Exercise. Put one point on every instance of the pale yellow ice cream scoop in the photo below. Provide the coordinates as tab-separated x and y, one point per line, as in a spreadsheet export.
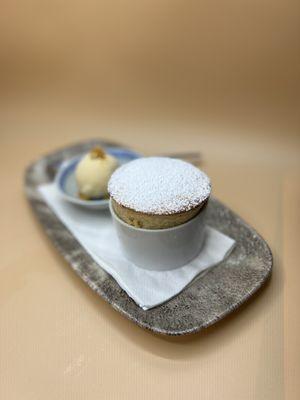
93	173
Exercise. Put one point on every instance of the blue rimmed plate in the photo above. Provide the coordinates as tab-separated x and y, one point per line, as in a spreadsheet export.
66	182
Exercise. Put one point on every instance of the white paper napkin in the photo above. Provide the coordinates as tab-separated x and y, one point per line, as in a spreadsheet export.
95	231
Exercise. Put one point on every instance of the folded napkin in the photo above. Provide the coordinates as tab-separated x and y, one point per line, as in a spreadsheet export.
95	231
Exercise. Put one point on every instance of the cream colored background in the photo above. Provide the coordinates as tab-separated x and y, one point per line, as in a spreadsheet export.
212	76
234	59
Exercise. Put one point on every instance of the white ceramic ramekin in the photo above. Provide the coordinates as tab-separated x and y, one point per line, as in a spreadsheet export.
161	249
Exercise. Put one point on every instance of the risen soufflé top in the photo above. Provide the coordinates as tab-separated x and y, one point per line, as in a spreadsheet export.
159	185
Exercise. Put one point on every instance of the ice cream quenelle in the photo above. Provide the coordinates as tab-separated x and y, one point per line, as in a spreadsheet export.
93	173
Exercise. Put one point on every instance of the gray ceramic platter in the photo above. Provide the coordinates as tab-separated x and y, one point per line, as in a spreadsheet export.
207	300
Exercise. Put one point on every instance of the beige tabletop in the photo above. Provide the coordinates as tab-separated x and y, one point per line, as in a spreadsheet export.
216	77
59	340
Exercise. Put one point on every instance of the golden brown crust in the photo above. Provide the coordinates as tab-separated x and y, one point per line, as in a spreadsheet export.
154	221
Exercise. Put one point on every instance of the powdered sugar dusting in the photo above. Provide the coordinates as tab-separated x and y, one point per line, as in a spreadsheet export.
159	185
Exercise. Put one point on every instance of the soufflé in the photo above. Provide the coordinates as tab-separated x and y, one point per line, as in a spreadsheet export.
158	192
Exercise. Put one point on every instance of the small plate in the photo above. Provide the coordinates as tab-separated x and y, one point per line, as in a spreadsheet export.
66	182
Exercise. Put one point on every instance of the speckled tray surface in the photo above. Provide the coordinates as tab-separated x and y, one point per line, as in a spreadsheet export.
207	300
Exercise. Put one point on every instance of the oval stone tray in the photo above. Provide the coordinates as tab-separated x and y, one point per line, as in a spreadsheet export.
205	301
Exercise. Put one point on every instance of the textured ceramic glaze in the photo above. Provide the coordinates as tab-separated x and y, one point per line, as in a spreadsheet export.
204	302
